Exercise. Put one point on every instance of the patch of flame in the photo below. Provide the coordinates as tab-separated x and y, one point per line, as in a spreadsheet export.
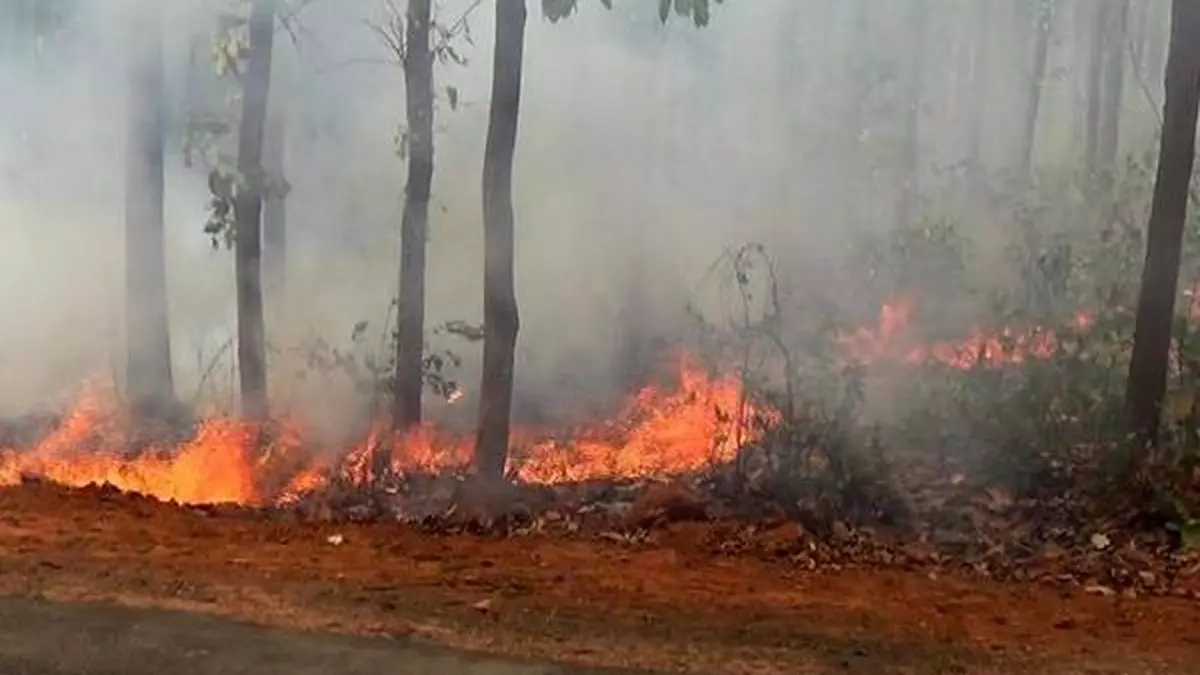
659	432
890	339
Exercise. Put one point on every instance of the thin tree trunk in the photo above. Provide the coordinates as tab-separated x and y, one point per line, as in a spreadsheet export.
957	94
980	64
1095	79
859	85
1147	381
1080	53
910	189
501	320
1114	92
414	228
274	224
1139	37
151	391
1045	28
24	31
256	82
1156	50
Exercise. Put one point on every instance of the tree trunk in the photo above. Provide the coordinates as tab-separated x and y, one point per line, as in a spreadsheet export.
910	152
23	29
1114	92
980	65
1037	77
1139	37
151	392
1095	81
501	320
414	227
274	225
256	82
1147	381
1156	49
856	114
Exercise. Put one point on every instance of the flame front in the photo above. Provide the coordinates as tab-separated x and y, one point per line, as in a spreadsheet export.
213	466
659	432
890	340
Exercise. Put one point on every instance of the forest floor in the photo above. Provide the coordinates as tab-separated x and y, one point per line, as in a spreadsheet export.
671	605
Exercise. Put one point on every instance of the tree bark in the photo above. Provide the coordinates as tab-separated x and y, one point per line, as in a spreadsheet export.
501	320
1147	381
1037	77
256	82
910	152
1114	92
274	225
980	80
23	28
1095	80
1139	37
1156	49
151	391
414	227
859	91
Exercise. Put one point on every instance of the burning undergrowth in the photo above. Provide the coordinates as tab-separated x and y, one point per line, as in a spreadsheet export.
659	433
812	481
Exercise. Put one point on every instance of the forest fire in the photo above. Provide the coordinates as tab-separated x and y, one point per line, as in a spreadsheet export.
890	339
659	432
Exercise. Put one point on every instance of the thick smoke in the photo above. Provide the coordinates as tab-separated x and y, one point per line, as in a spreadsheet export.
645	151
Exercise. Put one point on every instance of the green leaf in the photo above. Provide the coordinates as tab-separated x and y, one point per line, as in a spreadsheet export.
1190	535
557	10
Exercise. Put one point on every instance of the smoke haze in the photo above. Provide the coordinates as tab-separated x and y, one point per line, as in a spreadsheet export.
644	152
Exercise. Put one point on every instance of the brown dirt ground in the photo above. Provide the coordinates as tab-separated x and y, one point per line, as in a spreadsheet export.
672	607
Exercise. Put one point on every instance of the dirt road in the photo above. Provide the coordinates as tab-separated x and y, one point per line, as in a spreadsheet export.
40	638
674	606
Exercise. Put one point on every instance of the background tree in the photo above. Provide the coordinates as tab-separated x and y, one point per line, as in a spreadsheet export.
500	313
1146	385
274	225
1116	55
500	309
248	203
1044	27
418	61
148	361
1101	11
980	65
699	11
910	148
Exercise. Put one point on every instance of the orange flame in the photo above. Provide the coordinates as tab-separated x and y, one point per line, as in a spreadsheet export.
659	432
890	340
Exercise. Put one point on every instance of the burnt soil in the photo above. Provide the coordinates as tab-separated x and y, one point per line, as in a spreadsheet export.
669	604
